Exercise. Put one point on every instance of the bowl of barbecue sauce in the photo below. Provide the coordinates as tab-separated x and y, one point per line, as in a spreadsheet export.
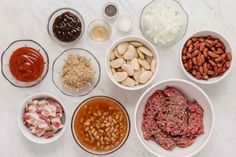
66	26
24	63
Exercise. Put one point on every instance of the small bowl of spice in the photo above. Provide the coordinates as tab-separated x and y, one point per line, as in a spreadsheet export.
110	10
24	63
100	125
66	26
76	72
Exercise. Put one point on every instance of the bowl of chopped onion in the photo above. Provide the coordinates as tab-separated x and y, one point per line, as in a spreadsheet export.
163	22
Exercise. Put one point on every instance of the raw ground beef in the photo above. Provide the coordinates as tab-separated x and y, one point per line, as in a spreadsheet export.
170	119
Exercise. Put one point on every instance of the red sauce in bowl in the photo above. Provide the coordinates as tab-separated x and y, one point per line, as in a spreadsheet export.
26	64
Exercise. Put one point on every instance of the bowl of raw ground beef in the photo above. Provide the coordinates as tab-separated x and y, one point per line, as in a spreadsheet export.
174	118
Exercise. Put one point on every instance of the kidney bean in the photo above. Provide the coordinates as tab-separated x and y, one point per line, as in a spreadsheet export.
209	41
184	51
212	62
205	77
194	72
210	72
202	47
196	44
201	70
217	60
186	65
219	45
195	53
227	64
194	60
205	52
201	39
190	48
189	55
190	64
213	49
189	42
229	56
205	67
213	55
199	61
184	57
223	56
194	39
219	51
219	65
202	58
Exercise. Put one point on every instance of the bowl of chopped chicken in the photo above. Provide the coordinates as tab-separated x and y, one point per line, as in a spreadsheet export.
76	72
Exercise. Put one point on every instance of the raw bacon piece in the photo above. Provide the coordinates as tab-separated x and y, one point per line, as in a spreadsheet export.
48	134
39	131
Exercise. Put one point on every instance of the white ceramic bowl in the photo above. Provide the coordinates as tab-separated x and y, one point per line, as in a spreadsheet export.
228	49
192	92
148	45
26	132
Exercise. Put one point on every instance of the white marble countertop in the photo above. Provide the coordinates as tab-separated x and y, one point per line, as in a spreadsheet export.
27	19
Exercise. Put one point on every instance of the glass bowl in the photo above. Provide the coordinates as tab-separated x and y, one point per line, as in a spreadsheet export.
6	57
58	66
182	31
99	22
57	13
101	99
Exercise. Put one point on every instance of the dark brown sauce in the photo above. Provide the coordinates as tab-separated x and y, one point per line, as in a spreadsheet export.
67	27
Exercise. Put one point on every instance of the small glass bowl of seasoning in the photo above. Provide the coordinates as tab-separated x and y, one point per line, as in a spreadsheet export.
124	24
99	30
24	63
66	26
110	10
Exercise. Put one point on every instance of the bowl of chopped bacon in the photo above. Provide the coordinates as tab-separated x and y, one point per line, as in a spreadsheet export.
42	118
174	118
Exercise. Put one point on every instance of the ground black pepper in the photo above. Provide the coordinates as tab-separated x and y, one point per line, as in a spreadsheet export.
110	10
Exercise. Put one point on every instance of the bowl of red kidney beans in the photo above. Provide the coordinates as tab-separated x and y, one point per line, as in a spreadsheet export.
174	118
206	57
42	118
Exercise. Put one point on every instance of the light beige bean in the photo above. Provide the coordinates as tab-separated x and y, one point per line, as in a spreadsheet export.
107	139
86	123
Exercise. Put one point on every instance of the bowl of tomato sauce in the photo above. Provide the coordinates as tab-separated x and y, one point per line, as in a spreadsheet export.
24	63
